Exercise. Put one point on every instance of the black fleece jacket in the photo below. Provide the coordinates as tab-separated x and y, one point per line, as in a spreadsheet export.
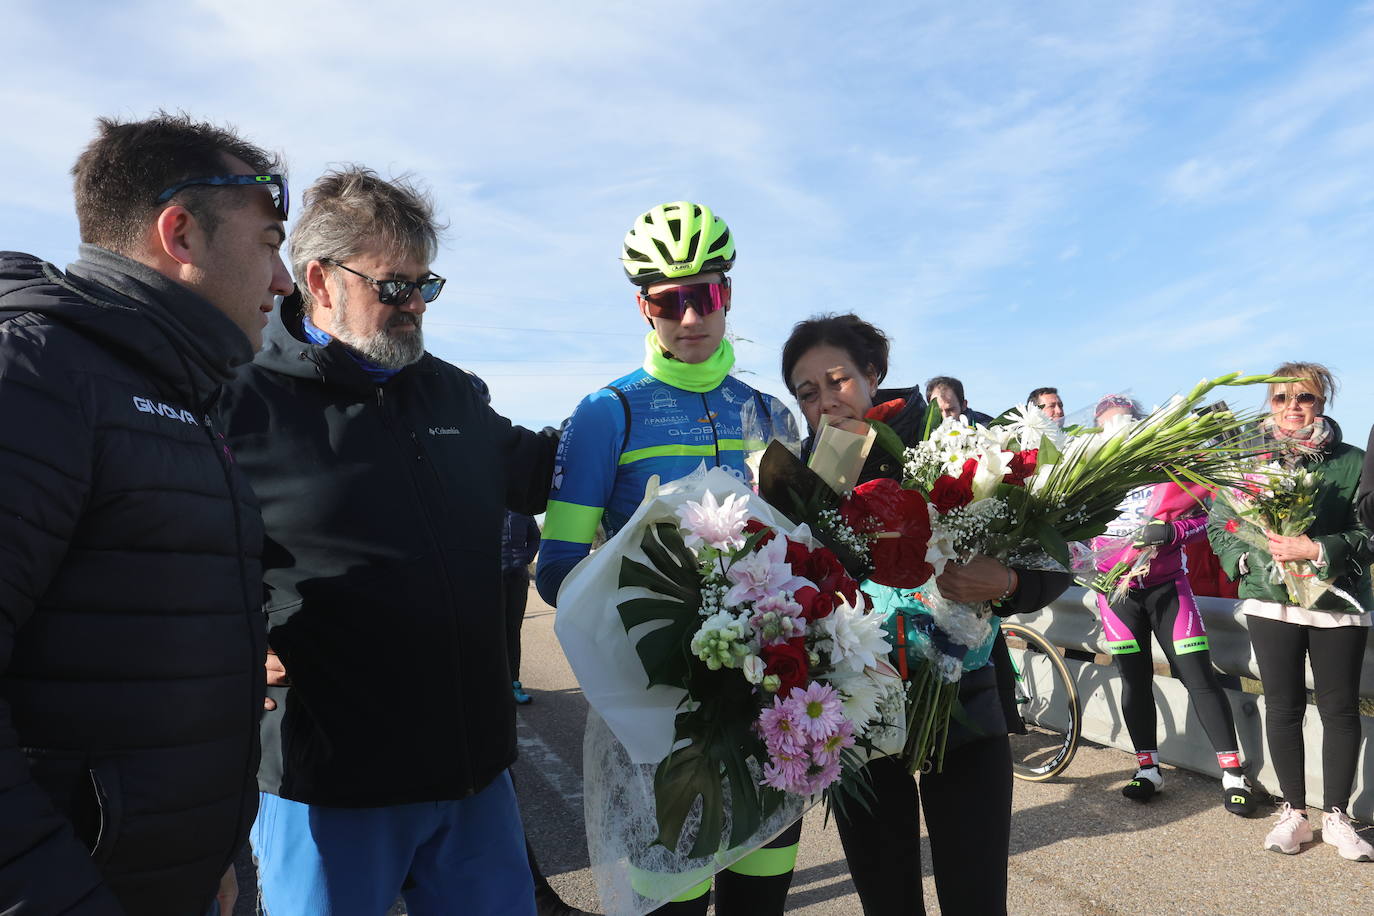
384	506
131	628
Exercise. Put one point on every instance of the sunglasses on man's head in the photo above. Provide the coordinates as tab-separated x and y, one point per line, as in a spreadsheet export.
275	185
397	292
1305	398
673	303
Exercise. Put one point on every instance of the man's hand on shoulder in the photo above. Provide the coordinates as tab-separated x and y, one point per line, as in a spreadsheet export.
276	677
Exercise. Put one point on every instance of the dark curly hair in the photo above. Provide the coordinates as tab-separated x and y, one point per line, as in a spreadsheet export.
866	345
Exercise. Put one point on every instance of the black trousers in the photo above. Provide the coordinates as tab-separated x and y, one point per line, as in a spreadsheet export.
968	819
515	587
1337	654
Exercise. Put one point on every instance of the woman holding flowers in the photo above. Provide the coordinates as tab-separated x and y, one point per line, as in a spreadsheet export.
833	365
1154	598
1306	595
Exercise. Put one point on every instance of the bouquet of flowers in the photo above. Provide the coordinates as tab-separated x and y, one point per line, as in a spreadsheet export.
1282	500
777	669
1020	491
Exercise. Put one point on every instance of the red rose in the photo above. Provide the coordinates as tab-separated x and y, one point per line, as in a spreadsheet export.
816	605
1232	525
753	526
950	493
886	410
900	523
821	567
788	662
1022	467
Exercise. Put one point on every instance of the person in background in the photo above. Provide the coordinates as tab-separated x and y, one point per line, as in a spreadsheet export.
1331	634
1160	603
519	547
131	629
833	364
384	479
948	394
1049	402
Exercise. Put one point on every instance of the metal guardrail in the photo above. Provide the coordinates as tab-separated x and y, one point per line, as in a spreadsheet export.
1071	622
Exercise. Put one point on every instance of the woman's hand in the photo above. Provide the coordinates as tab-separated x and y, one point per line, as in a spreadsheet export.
1285	549
980	579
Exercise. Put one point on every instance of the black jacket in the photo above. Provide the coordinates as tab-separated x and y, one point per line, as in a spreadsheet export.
987	696
384	506
131	629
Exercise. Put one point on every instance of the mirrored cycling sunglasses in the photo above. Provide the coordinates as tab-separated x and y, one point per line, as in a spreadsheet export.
275	184
1304	398
673	303
397	292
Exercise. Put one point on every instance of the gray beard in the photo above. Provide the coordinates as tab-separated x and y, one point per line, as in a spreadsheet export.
386	348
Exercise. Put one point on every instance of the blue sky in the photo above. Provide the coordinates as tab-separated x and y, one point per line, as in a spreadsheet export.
1095	196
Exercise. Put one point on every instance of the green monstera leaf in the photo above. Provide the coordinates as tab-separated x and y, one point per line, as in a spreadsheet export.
673	577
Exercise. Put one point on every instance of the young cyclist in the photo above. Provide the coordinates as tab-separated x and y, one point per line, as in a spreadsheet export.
1160	603
679	409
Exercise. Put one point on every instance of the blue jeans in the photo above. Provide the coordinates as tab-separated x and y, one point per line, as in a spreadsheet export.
443	857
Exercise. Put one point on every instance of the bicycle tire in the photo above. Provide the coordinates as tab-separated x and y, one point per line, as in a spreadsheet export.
1039	766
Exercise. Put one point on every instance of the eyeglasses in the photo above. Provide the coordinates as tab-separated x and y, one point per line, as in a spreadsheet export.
673	303
397	292
275	184
1305	398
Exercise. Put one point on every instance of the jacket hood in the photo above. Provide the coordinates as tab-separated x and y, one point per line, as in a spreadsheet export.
287	350
150	320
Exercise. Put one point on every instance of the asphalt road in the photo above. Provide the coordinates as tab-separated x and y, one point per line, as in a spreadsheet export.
1078	848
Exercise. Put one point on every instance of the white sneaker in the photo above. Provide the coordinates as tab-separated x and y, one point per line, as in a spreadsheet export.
1290	832
1339	832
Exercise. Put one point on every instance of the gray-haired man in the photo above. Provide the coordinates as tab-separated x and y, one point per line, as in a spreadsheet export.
384	481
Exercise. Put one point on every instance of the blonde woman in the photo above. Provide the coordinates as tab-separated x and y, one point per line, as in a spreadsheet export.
1331	633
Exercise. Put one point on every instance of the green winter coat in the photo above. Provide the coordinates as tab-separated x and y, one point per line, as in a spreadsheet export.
1344	540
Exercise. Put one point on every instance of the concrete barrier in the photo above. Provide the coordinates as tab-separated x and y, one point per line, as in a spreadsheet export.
1072	623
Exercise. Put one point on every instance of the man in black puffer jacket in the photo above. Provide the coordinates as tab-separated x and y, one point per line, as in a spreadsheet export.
131	630
384	479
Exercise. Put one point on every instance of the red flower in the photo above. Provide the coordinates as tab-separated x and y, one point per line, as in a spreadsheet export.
754	526
901	523
1232	525
886	410
816	605
788	662
821	567
954	492
1022	467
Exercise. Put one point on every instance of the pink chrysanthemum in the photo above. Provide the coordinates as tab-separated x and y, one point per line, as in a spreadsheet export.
827	750
817	710
787	773
781	729
818	780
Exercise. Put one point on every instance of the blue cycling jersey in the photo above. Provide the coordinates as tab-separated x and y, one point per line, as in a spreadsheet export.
604	462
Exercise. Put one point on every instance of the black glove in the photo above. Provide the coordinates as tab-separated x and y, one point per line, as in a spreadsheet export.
1155	534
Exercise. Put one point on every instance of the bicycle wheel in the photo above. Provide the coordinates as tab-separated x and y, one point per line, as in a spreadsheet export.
1048	702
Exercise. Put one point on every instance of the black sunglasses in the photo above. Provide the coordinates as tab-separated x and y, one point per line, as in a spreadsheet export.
397	292
275	184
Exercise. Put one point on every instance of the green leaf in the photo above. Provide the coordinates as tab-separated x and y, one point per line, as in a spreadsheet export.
1049	452
888	440
1053	542
661	650
634	574
745	811
685	775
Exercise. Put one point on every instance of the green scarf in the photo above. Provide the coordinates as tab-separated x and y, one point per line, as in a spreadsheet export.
697	377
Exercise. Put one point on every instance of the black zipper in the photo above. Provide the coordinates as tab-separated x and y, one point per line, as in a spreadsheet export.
715	433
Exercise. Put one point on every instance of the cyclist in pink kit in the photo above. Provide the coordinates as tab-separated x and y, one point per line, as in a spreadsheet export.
1160	602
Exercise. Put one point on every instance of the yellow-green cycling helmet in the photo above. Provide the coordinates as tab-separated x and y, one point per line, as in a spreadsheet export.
674	240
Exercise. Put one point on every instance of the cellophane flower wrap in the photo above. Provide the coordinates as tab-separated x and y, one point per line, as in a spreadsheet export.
1281	499
748	677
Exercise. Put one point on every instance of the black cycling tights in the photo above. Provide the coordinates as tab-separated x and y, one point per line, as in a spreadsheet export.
1336	654
1168	611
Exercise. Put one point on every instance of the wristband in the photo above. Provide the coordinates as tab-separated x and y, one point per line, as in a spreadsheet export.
1011	587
